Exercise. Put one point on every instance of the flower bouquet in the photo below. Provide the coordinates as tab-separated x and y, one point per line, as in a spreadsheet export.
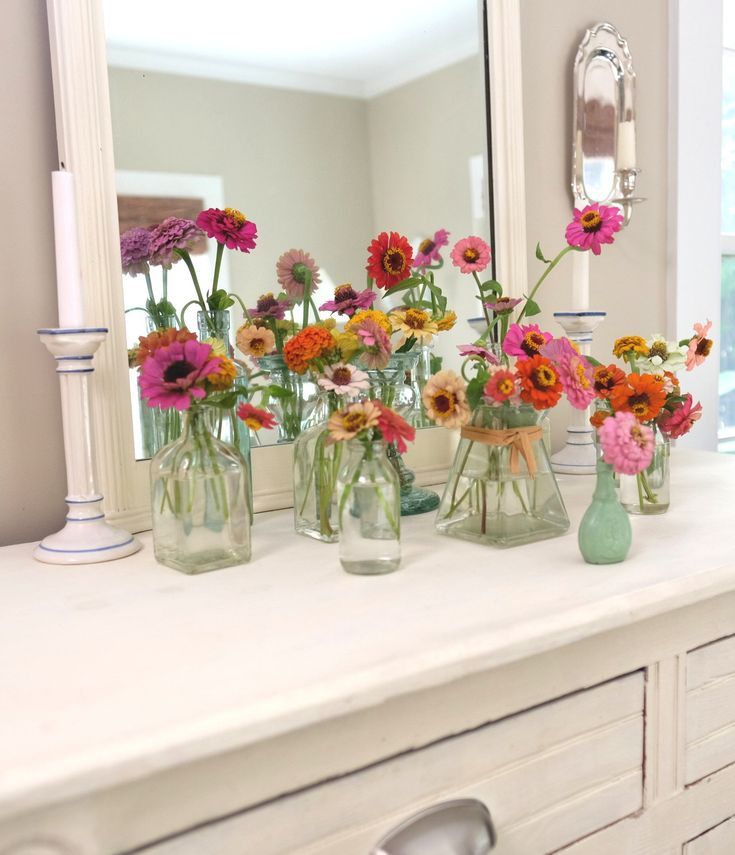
651	391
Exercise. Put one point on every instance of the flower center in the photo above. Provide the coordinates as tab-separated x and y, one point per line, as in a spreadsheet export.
591	221
639	405
444	402
636	434
238	218
177	371
344	293
354	422
505	387
582	378
394	261
416	319
659	348
470	255
299	272
257	346
532	343
543	377
426	246
341	376
704	345
266	302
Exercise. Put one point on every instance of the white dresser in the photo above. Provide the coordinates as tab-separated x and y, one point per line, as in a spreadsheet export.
286	707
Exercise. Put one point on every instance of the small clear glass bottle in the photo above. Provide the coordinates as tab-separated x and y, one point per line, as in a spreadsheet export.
199	498
369	510
648	491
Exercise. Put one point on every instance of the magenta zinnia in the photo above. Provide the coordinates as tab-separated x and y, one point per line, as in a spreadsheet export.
681	419
525	341
347	301
229	227
594	225
171	376
135	251
293	269
428	251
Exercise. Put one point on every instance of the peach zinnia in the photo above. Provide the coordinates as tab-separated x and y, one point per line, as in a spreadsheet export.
353	420
445	399
255	341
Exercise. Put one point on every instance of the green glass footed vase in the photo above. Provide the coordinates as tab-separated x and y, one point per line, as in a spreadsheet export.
605	534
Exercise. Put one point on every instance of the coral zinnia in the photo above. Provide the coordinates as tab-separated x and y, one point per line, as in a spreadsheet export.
293	269
389	259
309	344
428	251
170	234
135	250
255	418
606	378
344	379
445	399
641	394
525	341
681	420
626	445
348	423
502	386
594	225
414	323
229	227
347	301
540	383
149	344
699	347
394	427
255	341
171	376
471	254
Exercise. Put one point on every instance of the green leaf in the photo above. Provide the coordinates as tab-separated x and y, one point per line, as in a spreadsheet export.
474	391
435	363
541	256
532	308
411	282
407	345
594	362
165	307
220	300
492	286
279	392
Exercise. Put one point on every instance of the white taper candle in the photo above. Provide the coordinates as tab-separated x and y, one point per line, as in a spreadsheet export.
581	280
626	154
68	273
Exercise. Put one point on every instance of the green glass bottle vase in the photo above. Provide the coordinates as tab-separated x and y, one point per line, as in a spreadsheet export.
605	534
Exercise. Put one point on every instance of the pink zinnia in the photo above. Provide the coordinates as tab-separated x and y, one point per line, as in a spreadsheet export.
135	250
681	420
477	350
347	301
502	386
594	225
428	251
292	270
578	379
376	342
699	346
170	234
229	227
471	254
525	341
503	305
394	427
169	377
627	445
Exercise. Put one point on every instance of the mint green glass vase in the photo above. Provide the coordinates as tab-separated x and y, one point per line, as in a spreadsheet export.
604	533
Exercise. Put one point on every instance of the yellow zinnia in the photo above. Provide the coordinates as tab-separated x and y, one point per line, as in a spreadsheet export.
380	318
414	322
447	322
630	342
347	343
224	376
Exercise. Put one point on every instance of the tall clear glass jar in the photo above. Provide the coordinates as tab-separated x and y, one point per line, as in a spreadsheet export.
296	412
369	510
199	497
648	491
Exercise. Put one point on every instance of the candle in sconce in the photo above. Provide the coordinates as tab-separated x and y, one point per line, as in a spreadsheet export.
581	281
626	154
68	272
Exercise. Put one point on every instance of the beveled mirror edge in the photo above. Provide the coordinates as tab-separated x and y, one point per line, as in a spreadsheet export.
84	138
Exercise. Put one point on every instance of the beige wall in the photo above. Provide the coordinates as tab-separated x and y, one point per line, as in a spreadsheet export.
32	475
629	279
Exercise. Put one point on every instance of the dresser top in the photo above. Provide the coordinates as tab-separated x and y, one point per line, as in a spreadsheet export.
113	668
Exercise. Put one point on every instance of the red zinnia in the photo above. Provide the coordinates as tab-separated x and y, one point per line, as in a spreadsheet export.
389	260
540	383
394	428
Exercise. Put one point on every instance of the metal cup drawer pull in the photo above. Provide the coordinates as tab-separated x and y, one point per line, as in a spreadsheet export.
459	827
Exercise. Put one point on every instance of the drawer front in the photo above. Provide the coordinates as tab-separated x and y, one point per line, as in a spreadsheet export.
549	776
719	840
710	709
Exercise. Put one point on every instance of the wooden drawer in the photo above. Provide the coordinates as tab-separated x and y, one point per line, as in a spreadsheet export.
710	708
719	840
549	776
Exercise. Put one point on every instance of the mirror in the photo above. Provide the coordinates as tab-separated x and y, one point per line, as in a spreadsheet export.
324	131
84	133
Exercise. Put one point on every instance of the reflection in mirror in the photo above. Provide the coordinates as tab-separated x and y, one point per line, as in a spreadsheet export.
324	126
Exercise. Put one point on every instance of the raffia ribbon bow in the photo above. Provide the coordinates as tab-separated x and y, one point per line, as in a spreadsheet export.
519	439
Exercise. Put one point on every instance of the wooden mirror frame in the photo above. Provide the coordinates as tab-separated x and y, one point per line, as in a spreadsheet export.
84	134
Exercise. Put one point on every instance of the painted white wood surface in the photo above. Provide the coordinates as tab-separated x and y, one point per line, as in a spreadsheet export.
719	841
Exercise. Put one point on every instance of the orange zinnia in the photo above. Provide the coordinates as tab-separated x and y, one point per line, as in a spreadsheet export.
642	394
305	346
149	344
607	377
540	383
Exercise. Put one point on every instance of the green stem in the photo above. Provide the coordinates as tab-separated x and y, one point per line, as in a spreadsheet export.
551	265
306	298
164	278
200	299
217	265
485	310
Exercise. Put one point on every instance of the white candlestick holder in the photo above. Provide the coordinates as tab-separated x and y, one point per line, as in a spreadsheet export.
86	537
579	455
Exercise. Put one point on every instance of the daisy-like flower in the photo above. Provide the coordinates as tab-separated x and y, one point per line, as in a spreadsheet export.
229	227
255	341
540	382
347	301
353	420
502	386
376	343
269	307
394	428
173	375
641	394
503	305
293	269
135	251
414	323
699	347
306	346
662	356
344	379
445	399
626	445
447	321
378	317
428	251
149	344
630	344
681	419
170	234
255	418
471	254
389	259
525	341
479	351
577	378
606	378
593	226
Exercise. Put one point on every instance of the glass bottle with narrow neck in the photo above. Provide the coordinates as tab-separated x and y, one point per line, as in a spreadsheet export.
605	534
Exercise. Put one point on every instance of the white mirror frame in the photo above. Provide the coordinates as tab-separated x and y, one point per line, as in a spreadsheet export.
84	134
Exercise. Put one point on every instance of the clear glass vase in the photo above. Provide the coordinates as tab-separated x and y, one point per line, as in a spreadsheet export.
369	510
604	534
295	412
501	488
648	491
200	501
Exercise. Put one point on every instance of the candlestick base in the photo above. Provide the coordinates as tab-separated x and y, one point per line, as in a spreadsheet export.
87	537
